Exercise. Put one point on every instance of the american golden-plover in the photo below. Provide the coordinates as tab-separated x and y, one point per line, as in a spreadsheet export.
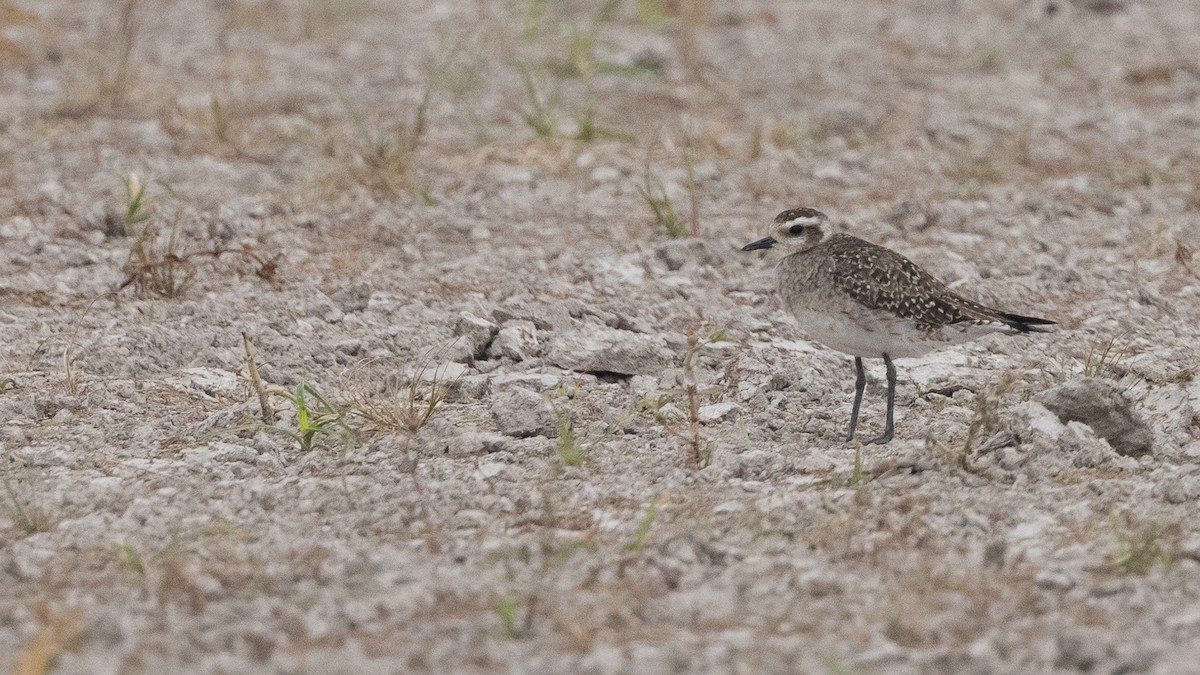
871	302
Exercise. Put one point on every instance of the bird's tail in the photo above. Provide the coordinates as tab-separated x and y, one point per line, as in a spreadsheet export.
1026	324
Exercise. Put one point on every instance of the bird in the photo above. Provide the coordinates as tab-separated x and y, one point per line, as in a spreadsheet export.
869	301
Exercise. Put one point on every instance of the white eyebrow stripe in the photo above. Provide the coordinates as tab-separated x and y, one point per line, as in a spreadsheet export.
803	220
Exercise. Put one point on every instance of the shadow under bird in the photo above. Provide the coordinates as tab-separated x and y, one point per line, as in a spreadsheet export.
871	302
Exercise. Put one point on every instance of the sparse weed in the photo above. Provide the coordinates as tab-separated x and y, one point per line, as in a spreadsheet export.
973	170
130	559
653	404
136	207
383	160
156	267
112	70
1104	358
1183	255
582	40
835	666
507	609
315	416
570	451
266	410
699	452
590	131
855	478
543	113
410	408
459	70
985	418
456	71
581	50
1142	544
70	371
222	120
644	525
690	394
29	518
654	193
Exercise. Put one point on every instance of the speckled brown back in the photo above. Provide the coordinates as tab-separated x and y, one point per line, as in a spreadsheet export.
881	279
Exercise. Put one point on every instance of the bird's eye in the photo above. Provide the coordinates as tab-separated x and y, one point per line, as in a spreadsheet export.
796	229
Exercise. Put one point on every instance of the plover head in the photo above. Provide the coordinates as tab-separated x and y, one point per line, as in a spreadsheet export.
794	231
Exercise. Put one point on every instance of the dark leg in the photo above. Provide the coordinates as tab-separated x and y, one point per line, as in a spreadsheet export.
891	404
860	383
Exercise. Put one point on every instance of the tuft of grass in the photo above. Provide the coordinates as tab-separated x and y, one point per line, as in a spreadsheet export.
383	160
28	517
130	559
570	451
590	131
315	416
408	409
507	608
156	264
137	209
581	44
543	114
157	267
1104	358
985	418
1143	545
644	525
654	193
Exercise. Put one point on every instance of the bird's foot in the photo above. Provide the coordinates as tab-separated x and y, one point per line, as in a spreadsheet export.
886	437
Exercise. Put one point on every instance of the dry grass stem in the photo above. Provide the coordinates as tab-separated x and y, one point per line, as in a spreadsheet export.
266	410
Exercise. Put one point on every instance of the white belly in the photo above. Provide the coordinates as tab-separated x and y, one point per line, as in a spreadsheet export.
896	338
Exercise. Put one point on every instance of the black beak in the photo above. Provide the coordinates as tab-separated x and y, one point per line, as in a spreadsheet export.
765	242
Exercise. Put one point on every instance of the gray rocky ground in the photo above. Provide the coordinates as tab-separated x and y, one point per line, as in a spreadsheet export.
636	462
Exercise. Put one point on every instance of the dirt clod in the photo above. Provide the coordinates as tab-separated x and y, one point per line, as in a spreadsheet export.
521	413
1104	407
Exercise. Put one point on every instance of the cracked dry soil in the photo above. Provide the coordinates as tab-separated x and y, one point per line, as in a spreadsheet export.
637	464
